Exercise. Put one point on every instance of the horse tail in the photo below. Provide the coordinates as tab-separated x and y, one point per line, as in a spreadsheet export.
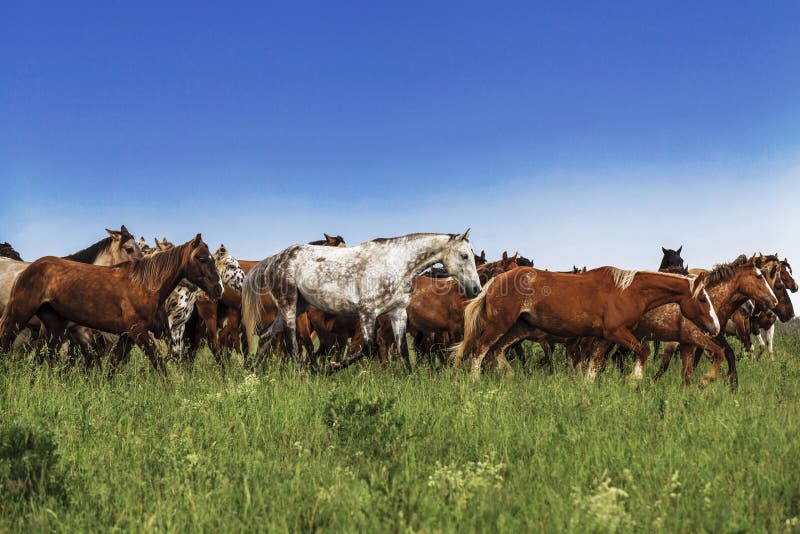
475	323
252	308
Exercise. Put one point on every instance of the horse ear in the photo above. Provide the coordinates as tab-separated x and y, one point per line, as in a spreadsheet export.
123	230
664	250
483	254
116	236
679	249
464	236
327	236
197	240
505	255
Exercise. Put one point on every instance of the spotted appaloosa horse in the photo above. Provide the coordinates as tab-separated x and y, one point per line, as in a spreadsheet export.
367	280
605	303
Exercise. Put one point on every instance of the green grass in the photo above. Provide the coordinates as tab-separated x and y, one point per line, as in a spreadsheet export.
375	449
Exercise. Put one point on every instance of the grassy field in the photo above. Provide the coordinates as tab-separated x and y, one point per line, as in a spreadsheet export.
379	450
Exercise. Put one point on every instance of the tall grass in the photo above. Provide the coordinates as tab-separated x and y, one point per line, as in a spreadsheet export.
374	449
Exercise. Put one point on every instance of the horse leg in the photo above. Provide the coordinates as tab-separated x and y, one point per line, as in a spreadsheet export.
16	316
519	354
304	335
263	345
514	337
493	341
761	344
770	337
625	337
367	320
730	357
399	319
547	359
669	350
687	358
619	357
597	357
56	328
121	352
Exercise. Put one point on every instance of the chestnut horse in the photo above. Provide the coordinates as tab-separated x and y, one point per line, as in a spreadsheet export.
118	247
770	271
728	285
606	303
123	300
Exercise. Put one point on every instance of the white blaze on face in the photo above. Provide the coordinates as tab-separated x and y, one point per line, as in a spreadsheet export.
769	289
711	311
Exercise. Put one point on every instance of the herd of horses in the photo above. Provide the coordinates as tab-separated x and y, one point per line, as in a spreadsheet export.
326	305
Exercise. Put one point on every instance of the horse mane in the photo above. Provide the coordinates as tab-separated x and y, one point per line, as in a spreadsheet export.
407	236
522	261
724	271
7	251
90	253
622	277
151	271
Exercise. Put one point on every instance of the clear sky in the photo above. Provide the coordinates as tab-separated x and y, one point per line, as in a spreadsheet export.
577	133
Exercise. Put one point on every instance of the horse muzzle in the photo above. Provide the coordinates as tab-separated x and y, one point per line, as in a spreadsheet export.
216	291
769	302
473	290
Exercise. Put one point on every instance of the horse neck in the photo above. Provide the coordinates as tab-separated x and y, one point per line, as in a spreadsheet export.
170	279
418	252
106	258
658	289
726	297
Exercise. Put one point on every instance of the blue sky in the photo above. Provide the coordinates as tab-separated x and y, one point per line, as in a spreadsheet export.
576	133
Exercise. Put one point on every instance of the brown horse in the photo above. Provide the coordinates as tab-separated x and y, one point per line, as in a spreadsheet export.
728	285
123	300
606	303
211	314
731	286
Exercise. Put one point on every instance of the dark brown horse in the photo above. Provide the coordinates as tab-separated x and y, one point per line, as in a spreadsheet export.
123	300
605	303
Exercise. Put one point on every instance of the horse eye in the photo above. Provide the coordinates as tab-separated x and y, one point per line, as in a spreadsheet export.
464	257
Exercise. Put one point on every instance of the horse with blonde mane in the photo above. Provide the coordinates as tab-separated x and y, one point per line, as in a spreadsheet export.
606	303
